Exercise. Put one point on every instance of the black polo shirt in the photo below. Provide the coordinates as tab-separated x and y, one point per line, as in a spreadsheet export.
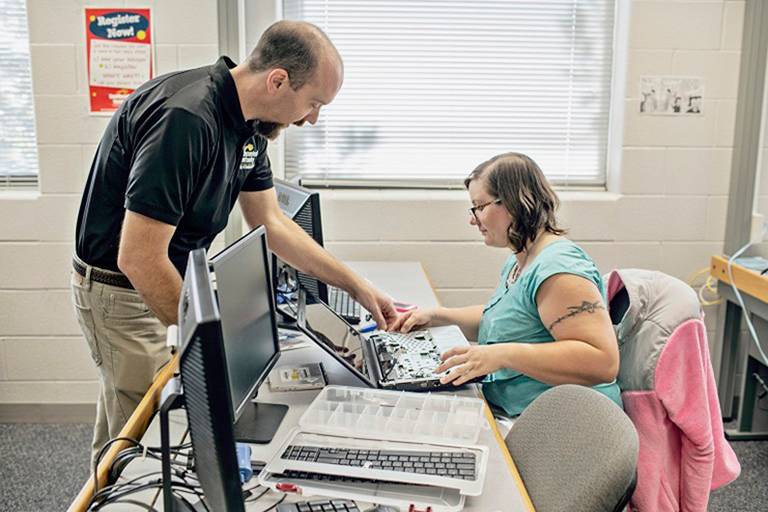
179	151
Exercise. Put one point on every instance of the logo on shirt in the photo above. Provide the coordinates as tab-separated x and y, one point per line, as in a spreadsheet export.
249	157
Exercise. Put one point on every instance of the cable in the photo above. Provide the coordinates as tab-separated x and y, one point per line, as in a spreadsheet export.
120	491
744	310
138	504
257	498
106	491
181	470
693	277
276	504
251	488
101	454
708	285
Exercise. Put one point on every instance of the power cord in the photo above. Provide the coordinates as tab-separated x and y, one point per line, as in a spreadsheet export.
709	285
187	482
137	504
184	482
121	490
101	453
276	504
744	310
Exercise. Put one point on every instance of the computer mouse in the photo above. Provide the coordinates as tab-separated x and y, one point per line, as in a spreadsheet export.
383	508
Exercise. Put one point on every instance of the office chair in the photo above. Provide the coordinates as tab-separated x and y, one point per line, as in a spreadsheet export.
669	392
575	450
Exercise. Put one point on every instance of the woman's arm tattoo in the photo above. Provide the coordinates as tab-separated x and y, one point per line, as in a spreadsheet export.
585	307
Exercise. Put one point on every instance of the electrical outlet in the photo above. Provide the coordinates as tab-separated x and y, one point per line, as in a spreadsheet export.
757	231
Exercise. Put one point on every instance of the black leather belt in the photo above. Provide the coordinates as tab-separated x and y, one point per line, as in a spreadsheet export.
100	276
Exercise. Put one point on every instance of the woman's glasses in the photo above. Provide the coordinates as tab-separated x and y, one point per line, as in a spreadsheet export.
480	207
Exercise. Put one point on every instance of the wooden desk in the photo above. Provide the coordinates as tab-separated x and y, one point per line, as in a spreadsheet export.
409	282
754	291
503	490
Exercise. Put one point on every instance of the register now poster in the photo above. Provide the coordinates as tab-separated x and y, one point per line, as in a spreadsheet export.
119	55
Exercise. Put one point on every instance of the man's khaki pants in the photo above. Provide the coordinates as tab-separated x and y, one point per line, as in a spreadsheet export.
127	343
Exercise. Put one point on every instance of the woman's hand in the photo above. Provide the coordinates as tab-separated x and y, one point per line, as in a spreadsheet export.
414	320
470	362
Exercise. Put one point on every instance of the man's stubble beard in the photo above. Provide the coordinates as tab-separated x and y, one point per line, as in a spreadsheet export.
270	130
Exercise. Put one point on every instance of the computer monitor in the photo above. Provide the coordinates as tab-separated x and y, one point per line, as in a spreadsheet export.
249	327
206	391
303	206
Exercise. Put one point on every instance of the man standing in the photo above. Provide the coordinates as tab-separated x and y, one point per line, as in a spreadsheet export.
171	164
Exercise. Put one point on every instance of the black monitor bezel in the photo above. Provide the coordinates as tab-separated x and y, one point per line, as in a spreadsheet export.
200	327
259	232
311	197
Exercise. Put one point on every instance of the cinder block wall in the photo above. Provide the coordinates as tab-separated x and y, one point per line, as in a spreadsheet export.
43	358
668	214
670	211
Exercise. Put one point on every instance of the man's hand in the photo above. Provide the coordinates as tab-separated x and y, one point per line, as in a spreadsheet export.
379	305
294	246
470	362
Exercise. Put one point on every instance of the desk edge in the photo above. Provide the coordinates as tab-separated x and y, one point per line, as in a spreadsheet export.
135	427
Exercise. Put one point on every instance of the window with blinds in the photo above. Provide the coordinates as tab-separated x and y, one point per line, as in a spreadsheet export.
433	88
18	145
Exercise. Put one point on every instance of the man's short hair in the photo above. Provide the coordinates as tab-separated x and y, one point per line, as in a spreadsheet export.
294	46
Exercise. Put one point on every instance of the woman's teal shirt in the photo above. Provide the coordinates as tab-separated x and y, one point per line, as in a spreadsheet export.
512	316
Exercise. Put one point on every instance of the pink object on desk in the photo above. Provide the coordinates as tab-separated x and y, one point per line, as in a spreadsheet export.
402	307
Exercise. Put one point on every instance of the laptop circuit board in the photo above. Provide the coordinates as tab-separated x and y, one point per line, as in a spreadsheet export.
406	357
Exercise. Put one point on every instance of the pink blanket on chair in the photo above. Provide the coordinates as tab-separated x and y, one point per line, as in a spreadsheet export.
669	392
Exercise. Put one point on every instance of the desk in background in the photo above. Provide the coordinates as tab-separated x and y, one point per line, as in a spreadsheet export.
754	291
503	490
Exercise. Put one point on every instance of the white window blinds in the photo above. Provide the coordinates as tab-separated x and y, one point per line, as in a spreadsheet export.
433	88
18	146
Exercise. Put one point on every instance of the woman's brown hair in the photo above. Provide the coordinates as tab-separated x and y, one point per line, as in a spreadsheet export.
525	193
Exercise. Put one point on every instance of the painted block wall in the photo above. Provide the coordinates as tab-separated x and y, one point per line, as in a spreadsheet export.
668	214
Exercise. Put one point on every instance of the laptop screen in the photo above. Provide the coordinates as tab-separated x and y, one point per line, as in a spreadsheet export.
337	337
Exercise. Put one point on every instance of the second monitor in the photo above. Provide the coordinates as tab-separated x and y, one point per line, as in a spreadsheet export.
303	206
244	289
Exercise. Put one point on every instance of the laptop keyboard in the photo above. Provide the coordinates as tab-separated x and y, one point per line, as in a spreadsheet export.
341	302
419	341
460	465
319	506
404	357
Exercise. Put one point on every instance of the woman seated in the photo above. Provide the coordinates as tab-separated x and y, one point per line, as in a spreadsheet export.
547	322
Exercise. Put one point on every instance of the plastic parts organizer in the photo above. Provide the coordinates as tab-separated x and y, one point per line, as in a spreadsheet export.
395	415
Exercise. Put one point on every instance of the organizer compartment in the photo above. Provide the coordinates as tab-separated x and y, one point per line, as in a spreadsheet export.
377	414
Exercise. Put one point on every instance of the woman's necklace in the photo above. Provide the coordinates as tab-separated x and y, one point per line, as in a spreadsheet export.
514	274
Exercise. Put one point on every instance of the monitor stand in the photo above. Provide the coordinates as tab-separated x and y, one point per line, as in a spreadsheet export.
258	422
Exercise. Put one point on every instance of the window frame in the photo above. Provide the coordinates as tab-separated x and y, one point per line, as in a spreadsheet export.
614	133
27	180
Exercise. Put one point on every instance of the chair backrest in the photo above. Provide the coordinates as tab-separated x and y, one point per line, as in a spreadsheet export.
576	450
646	307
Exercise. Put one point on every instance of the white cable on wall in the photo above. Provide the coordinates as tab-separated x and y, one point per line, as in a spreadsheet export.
750	327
